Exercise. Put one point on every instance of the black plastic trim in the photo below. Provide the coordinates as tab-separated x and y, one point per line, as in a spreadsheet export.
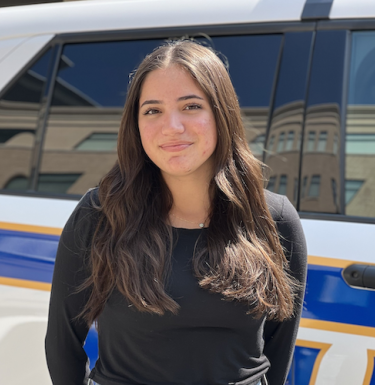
345	88
43	116
335	217
186	31
316	9
352	24
38	194
273	95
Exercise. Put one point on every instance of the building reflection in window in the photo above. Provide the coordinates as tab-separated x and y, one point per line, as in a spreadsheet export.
322	141
311	141
271	184
283	183
289	141
360	128
280	144
19	114
314	186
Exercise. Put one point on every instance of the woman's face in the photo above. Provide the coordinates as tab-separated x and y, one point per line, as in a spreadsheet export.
176	124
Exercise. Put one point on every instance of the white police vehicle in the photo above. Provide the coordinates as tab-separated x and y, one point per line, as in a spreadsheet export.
304	71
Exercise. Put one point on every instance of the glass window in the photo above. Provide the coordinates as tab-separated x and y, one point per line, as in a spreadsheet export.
322	141
311	141
271	143
314	186
99	142
289	109
280	143
304	186
360	128
283	185
289	141
335	144
19	110
351	189
252	61
360	144
271	184
256	146
90	89
87	104
321	157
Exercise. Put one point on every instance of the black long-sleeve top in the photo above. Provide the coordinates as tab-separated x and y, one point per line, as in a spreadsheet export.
209	342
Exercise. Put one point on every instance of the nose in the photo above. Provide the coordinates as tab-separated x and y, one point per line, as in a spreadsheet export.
172	124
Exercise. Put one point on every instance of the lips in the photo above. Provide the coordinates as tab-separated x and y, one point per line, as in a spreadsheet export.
175	146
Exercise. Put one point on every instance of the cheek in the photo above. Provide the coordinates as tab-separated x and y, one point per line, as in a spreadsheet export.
209	132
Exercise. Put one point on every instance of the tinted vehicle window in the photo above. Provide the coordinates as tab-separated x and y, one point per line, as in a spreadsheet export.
283	148
88	99
19	110
252	62
321	173
360	128
90	91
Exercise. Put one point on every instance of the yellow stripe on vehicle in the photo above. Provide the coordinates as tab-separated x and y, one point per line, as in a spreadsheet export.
25	284
30	228
338	327
322	351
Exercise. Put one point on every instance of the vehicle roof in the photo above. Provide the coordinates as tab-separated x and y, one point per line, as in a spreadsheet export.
112	15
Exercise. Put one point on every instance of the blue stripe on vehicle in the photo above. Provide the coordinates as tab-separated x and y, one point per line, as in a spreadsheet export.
316	9
27	256
31	257
329	298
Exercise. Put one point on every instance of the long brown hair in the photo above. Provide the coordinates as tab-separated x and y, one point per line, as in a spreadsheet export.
131	249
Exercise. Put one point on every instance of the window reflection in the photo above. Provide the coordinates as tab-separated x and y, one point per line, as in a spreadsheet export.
283	147
314	186
322	141
321	158
252	66
19	110
360	128
283	185
280	144
82	127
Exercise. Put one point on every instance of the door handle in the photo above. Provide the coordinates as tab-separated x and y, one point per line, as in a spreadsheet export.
360	275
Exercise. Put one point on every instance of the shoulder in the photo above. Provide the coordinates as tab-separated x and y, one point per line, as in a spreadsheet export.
84	218
287	222
280	208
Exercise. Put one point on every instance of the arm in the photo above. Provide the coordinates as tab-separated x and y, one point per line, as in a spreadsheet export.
280	337
66	358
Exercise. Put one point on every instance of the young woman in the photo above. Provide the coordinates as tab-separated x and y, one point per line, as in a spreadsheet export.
193	272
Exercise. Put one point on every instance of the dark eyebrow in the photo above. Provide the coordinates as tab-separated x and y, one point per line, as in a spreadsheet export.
151	102
192	96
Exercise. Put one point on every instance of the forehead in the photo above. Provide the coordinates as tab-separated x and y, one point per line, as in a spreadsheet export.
172	79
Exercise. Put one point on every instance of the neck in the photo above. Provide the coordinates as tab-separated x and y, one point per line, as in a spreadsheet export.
191	201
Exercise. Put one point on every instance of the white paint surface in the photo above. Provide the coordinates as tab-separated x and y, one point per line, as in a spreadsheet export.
84	16
20	56
350	9
7	46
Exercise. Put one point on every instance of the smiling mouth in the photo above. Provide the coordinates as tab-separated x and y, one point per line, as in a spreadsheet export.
175	147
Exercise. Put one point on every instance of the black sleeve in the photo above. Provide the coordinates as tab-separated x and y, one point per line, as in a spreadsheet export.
66	359
280	337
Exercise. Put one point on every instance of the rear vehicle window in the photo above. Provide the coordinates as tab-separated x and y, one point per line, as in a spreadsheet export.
360	128
19	117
